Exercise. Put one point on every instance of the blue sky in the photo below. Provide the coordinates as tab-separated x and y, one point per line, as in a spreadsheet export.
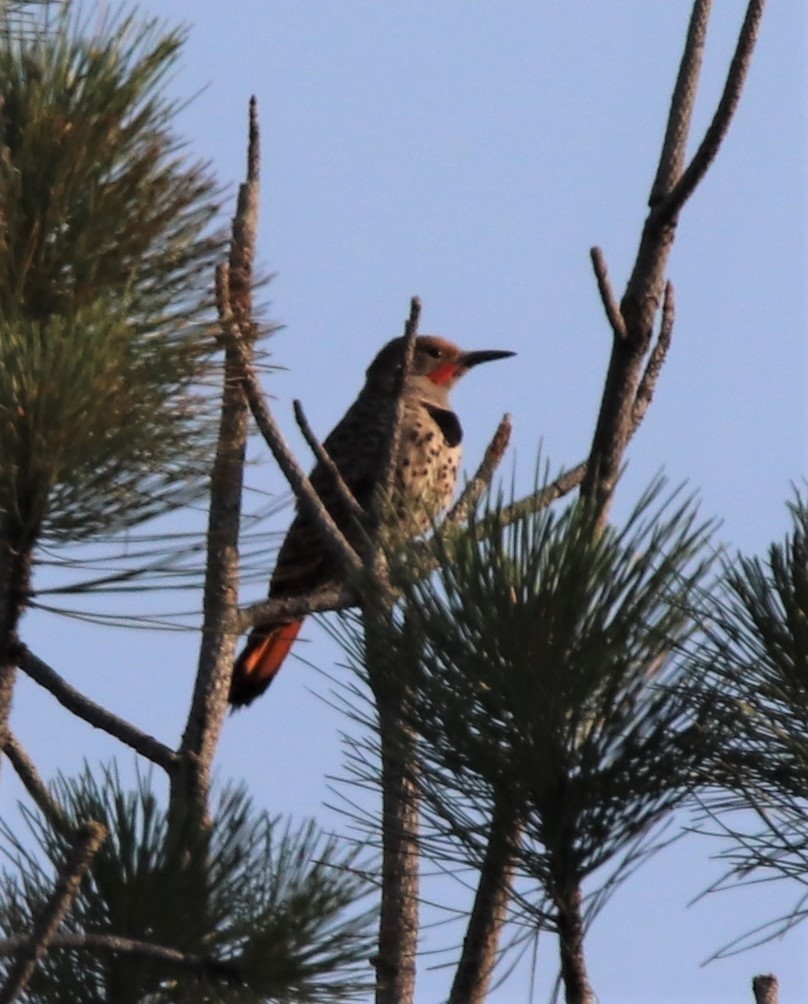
471	153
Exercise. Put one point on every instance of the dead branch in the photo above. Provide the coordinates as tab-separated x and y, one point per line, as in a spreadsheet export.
293	607
310	502
113	944
563	485
628	383
607	297
474	489
672	155
100	718
245	232
344	493
719	126
238	332
35	786
390	449
89	838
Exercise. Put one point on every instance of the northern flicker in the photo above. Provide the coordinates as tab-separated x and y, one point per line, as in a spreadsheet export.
425	471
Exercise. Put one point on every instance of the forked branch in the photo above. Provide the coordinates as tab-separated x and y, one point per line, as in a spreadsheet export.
630	381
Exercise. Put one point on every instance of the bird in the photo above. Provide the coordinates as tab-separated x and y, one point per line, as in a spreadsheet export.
424	475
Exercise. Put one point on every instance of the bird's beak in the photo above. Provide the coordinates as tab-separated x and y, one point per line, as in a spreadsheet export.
470	359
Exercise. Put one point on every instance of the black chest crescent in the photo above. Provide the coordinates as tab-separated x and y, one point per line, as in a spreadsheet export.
449	425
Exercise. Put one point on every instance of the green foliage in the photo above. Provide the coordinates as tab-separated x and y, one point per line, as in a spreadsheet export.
272	911
549	654
754	665
106	264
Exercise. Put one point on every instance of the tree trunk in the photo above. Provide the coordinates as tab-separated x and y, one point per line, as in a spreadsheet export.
571	947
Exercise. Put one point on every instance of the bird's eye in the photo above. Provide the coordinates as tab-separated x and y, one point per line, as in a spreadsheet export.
435	352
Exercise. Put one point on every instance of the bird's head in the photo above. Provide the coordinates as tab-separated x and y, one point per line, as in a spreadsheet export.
437	365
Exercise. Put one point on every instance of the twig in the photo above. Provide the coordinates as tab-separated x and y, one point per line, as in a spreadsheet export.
307	497
563	485
89	838
116	945
766	989
607	297
492	458
309	500
390	451
92	713
672	155
245	230
719	126
346	496
35	786
645	391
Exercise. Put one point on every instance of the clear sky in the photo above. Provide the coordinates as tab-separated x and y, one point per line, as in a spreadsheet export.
471	153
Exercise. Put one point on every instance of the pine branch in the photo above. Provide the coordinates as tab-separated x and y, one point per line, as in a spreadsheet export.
89	838
674	145
345	495
570	926
541	499
492	458
92	713
607	297
625	393
706	153
476	966
387	467
308	499
219	633
115	945
290	608
35	786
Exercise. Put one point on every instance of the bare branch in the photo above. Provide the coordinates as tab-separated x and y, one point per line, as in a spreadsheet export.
217	651
346	496
563	485
645	391
89	838
92	713
714	136
116	945
766	989
390	451
308	498
35	786
619	410
492	458
245	230
672	156
321	601
607	296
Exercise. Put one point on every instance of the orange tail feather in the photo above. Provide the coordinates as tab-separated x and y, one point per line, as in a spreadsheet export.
259	662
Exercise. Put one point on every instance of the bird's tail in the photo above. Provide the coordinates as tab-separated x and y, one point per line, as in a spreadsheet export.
260	660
